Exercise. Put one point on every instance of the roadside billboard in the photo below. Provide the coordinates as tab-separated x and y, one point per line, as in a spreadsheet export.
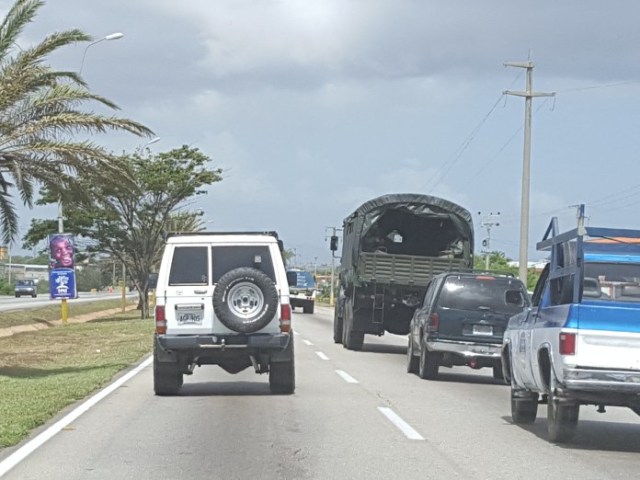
62	273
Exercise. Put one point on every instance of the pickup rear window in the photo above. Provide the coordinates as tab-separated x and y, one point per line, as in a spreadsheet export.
496	294
611	281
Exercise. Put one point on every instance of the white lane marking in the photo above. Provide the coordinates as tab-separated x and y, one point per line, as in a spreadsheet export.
322	356
28	448
307	342
346	377
403	426
295	332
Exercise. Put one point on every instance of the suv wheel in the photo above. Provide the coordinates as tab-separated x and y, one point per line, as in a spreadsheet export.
245	300
282	375
428	365
412	360
167	378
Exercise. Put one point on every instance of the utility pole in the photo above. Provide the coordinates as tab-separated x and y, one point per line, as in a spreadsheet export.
486	243
526	164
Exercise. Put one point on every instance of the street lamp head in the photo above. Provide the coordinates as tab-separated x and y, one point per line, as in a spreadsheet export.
114	36
152	141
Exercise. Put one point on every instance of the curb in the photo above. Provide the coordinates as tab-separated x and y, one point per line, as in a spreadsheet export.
34	327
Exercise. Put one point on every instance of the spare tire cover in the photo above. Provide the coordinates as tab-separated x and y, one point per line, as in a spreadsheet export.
245	300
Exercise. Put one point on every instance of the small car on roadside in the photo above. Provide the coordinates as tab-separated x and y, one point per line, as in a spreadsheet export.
26	287
462	322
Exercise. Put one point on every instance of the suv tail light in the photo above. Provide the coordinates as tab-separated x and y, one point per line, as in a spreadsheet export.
285	318
434	323
161	320
567	343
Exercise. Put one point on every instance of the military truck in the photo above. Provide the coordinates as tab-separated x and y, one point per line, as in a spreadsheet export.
392	246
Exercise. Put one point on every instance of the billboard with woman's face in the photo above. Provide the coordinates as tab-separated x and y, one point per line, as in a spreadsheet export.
62	275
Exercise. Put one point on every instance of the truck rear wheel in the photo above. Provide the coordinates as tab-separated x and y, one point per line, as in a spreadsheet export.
337	326
351	339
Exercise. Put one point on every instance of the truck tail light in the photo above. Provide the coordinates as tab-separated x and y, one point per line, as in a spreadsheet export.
285	318
434	323
161	320
567	343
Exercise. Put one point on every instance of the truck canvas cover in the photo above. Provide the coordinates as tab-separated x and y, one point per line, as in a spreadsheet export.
376	225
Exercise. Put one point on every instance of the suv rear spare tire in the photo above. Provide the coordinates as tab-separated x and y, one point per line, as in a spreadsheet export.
245	300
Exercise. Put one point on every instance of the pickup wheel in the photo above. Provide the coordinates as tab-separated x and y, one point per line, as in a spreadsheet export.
412	360
428	365
245	300
308	308
167	378
524	408
497	372
282	375
337	326
562	419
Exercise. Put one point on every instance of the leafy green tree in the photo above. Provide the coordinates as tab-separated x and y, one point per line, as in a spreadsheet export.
499	262
130	223
40	115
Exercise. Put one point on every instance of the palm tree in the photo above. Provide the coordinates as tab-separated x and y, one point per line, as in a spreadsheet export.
40	117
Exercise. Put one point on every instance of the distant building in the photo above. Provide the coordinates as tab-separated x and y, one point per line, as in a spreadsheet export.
21	271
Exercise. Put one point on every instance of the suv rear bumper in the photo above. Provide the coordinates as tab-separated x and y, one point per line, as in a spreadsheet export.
203	343
465	349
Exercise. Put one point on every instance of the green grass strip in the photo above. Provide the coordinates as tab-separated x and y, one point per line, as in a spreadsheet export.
42	372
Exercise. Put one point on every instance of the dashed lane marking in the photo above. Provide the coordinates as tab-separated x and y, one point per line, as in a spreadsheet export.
322	356
346	377
403	426
307	342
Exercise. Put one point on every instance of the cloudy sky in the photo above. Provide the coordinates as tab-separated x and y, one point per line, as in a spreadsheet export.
313	107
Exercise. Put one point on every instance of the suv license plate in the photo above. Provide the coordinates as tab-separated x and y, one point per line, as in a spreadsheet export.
482	330
189	314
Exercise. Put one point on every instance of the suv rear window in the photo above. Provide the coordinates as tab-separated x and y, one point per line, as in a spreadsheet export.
189	266
497	294
231	257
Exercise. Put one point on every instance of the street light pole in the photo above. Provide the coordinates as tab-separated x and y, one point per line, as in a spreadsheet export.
111	36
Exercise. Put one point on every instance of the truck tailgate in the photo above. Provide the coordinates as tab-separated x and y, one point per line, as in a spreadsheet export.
608	335
404	269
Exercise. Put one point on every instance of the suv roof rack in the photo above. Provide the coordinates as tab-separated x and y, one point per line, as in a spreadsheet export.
178	234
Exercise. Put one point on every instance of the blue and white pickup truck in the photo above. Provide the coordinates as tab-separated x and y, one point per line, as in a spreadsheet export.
579	343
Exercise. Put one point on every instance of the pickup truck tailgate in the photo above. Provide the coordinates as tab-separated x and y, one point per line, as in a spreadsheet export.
608	335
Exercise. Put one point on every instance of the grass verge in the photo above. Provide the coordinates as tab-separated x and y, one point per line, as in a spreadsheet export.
42	372
51	313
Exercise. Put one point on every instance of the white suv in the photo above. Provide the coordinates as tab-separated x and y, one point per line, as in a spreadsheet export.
223	299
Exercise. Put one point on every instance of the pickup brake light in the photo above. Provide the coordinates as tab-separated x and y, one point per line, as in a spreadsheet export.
567	343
